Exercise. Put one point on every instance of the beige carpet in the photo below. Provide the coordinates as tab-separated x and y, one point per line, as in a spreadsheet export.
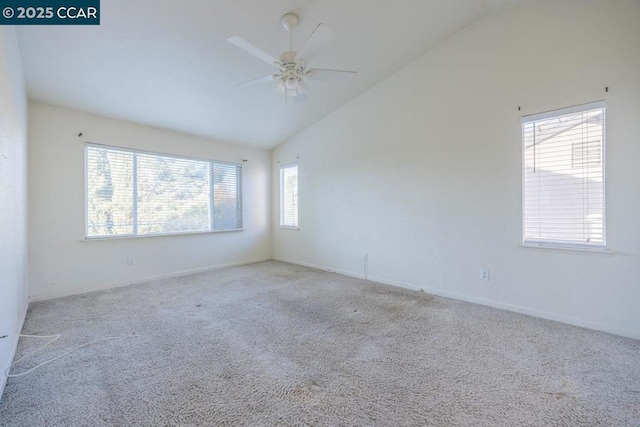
276	344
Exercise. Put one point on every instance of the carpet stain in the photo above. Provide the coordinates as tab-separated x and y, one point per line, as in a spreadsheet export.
275	344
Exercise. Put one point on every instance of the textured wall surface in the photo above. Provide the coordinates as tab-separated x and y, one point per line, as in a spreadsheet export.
62	263
13	195
423	172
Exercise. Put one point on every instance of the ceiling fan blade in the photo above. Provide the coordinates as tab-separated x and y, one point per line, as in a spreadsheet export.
262	79
248	47
317	41
339	76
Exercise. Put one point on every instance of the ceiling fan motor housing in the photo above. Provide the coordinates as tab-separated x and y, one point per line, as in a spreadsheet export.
291	67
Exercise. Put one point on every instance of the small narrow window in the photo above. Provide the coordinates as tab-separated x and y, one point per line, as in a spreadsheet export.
563	177
289	196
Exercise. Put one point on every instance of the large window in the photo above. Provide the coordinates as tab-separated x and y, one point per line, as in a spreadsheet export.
131	193
563	177
289	196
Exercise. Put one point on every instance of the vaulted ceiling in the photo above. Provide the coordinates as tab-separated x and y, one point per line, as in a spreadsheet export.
167	63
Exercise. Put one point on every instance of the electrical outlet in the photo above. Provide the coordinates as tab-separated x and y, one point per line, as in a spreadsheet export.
484	274
131	261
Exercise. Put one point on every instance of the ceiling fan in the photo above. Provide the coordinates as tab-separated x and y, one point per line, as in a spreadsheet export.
291	78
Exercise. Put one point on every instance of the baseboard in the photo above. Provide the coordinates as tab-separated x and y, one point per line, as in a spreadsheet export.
481	301
14	349
84	290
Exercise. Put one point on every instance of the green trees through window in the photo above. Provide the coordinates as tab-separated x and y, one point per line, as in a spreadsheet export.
135	193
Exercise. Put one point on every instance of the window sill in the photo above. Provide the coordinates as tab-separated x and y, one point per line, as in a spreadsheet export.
289	227
577	249
144	236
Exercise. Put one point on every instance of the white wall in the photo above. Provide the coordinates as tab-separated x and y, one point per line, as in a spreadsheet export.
61	263
13	197
423	172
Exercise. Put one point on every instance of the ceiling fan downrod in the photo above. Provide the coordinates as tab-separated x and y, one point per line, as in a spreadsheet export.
289	22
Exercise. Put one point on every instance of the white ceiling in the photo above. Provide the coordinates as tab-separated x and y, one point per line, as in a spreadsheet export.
167	63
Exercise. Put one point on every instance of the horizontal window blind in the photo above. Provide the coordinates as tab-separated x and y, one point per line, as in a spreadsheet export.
110	189
563	177
289	195
227	204
173	194
137	193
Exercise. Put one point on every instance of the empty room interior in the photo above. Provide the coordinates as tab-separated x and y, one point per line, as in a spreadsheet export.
320	213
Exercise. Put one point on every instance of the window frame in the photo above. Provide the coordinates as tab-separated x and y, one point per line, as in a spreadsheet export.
240	194
560	244
281	186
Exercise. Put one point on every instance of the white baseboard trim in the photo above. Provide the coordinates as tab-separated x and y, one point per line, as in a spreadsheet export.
87	289
14	349
481	301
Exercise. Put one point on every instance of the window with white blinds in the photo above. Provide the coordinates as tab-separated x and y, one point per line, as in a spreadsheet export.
563	177
289	196
132	193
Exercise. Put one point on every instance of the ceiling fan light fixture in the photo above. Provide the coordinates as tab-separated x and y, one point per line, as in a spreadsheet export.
302	86
292	83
